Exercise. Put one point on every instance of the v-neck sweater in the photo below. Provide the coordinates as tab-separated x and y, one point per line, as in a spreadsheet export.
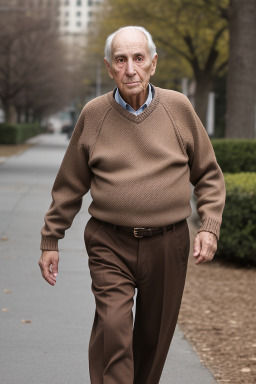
137	168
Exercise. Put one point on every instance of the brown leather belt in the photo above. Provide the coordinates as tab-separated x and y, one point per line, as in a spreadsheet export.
140	232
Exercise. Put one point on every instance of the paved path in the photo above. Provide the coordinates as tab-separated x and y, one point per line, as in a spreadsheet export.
44	330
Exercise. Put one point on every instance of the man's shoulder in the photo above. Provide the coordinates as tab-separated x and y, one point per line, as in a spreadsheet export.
181	112
171	96
178	105
99	105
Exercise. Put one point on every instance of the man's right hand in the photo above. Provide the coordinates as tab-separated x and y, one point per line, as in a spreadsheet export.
48	264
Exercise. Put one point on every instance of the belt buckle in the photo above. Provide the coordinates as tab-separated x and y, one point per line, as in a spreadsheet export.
135	232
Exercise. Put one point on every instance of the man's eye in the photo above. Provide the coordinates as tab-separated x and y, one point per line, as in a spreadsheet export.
120	60
139	58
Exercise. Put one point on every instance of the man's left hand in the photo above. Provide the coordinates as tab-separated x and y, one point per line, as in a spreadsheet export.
205	246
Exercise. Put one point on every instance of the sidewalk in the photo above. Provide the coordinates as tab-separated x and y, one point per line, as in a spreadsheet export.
45	330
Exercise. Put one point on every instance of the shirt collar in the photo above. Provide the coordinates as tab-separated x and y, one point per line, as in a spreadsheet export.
126	106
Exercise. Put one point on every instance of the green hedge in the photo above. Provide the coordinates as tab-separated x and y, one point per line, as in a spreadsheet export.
235	155
18	133
238	231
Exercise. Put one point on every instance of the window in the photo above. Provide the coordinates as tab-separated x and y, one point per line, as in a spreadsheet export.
90	13
66	2
78	14
66	14
66	23
79	3
78	24
90	2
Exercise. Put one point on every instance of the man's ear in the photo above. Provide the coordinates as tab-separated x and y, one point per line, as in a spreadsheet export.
108	68
154	62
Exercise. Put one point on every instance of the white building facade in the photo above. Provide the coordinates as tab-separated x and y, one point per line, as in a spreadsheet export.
75	16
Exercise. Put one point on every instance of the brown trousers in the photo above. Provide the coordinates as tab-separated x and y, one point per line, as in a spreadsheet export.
120	352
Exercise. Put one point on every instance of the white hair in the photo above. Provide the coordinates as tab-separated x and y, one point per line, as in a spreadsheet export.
108	45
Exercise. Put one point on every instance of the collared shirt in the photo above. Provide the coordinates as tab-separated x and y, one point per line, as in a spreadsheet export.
126	106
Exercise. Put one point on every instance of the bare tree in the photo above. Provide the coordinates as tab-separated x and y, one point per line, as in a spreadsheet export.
241	86
32	66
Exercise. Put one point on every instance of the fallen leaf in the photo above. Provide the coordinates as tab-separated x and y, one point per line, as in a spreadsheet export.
26	321
7	291
245	370
5	309
4	238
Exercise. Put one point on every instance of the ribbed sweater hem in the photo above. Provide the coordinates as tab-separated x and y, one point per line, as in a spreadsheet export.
211	225
49	243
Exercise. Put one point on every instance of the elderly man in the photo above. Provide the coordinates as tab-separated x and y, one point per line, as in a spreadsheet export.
137	149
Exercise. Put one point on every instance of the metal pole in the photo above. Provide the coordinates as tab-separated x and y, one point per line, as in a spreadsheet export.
98	80
184	86
210	118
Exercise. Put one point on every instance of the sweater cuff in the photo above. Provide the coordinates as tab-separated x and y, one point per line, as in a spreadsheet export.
210	225
49	243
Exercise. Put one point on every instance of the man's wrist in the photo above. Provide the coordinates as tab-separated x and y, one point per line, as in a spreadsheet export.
49	243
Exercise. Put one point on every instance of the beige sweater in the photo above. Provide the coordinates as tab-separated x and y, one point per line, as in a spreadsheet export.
138	168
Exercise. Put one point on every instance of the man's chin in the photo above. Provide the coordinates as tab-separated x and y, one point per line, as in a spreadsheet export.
133	90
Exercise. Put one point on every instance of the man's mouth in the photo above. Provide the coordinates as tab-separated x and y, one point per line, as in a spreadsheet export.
132	83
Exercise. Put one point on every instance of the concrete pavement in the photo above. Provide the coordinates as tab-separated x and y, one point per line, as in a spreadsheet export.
44	330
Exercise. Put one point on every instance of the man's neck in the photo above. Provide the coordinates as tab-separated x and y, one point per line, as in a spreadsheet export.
136	101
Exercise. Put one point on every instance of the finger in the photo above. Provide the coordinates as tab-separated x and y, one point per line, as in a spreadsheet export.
48	277
55	267
202	253
200	260
49	280
206	254
46	273
197	246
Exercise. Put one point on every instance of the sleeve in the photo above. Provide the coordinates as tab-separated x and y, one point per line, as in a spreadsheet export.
208	179
71	184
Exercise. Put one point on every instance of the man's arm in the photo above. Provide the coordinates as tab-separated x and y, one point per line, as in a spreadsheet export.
209	183
206	176
205	173
208	179
71	183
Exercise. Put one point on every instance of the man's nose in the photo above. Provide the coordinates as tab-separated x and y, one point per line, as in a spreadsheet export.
130	69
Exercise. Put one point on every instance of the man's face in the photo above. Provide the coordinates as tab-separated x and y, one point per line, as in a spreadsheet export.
131	65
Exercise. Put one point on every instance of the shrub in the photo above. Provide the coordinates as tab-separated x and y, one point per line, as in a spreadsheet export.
238	231
235	155
18	133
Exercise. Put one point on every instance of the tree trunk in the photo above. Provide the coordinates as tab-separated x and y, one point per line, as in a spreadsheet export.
10	113
241	84
203	87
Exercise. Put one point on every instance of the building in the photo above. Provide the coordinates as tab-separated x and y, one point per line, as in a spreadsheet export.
75	16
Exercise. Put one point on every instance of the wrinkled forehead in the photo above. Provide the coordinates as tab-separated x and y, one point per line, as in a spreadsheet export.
128	41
